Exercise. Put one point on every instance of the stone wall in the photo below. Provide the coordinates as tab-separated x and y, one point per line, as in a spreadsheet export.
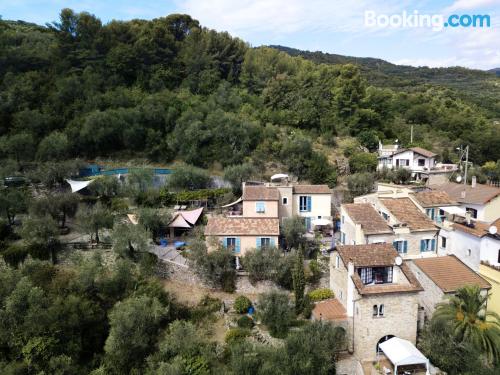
431	295
400	320
338	278
184	274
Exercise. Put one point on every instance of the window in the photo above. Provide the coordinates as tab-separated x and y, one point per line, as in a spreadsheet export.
401	246
366	275
377	275
421	162
230	242
498	256
341	294
469	252
260	207
427	245
430	213
343	219
443	242
285	200
265	242
304	203
342	238
378	310
472	211
337	261
402	162
385	216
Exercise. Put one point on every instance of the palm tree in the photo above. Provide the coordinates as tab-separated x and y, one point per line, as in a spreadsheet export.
471	322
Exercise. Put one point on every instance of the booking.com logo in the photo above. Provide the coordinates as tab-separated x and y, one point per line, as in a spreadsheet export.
435	21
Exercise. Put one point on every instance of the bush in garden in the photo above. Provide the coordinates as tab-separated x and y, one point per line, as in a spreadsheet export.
242	304
15	254
320	294
276	312
235	335
314	272
245	322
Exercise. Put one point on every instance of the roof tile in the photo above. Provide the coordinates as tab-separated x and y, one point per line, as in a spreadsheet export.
369	219
449	273
405	211
433	198
242	226
260	193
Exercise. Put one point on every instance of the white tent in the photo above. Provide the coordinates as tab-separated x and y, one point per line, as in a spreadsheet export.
78	185
321	222
403	353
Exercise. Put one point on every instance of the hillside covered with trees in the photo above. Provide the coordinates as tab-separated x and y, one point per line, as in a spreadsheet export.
169	89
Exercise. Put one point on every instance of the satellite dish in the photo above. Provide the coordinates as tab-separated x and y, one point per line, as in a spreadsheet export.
458	179
396	141
493	229
399	261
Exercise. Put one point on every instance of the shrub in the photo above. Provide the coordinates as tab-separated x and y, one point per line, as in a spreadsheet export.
314	272
205	308
15	254
245	322
308	307
235	335
242	304
216	268
363	162
260	264
276	312
320	294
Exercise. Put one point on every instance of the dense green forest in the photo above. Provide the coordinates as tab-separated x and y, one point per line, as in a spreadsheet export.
169	89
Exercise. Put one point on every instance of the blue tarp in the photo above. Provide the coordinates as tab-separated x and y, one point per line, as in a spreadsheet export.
179	244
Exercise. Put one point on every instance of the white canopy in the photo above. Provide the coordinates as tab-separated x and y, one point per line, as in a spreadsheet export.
453	210
402	353
233	203
78	185
321	222
278	176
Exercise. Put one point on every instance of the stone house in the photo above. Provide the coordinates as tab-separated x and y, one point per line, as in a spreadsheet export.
379	293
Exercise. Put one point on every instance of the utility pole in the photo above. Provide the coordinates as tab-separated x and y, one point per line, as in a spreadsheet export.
466	163
411	133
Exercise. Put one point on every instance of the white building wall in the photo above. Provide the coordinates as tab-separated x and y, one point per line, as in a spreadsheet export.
321	205
490	251
459	245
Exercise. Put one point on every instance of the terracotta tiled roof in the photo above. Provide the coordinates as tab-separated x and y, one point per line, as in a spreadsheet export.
330	309
449	273
311	189
405	211
370	220
479	228
433	198
371	255
418	150
480	194
260	193
242	226
423	151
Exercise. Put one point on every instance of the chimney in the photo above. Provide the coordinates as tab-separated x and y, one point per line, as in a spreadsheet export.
462	194
473	183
